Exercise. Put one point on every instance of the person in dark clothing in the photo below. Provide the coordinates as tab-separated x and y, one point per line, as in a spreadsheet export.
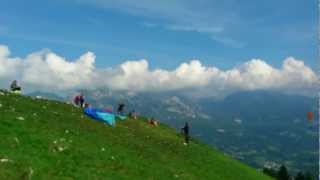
120	108
14	86
76	100
185	131
81	100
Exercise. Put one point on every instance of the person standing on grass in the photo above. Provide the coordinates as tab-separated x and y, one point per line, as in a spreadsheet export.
81	99
76	100
185	131
120	109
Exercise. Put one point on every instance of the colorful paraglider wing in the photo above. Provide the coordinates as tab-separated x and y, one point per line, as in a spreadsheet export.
100	115
120	117
109	110
310	116
107	117
91	112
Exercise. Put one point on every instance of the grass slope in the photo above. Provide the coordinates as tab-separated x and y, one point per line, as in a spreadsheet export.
43	139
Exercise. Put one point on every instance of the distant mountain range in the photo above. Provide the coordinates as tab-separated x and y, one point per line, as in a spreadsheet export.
262	128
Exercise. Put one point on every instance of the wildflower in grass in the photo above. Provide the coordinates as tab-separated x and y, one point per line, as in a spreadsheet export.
30	172
16	140
60	148
5	160
20	118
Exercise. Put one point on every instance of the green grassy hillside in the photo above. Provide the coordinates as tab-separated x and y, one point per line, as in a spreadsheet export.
41	139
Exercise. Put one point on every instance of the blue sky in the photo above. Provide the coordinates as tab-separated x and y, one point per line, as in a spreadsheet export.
167	33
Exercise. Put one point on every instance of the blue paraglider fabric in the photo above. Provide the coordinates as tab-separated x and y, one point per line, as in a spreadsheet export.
121	117
100	115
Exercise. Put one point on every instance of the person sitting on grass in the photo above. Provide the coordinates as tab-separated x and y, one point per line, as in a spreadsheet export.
133	115
76	100
14	86
153	122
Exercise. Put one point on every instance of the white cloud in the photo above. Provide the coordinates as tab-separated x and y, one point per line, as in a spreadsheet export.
49	71
8	66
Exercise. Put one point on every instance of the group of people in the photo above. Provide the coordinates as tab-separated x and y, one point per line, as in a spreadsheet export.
79	101
134	115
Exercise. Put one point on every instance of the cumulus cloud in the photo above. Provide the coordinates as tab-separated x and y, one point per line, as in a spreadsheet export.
8	66
47	70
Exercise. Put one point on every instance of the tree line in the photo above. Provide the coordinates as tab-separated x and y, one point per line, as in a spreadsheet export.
283	174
